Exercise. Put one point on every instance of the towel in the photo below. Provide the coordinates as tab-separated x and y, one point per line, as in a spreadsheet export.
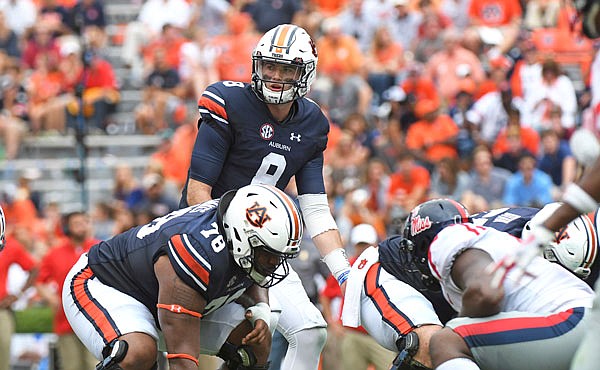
351	309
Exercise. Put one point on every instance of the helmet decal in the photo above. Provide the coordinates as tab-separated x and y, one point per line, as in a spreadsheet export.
283	38
418	224
257	215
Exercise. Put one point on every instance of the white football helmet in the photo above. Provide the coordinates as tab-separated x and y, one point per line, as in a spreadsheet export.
575	246
263	229
2	229
289	51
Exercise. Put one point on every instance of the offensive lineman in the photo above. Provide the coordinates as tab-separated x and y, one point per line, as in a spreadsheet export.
183	272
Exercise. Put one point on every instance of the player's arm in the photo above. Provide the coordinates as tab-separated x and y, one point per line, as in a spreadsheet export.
319	221
179	308
208	156
469	273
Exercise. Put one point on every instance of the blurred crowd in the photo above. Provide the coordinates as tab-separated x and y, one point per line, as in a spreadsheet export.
474	100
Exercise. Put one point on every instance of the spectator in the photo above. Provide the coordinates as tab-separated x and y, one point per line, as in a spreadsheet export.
338	52
20	15
362	130
233	63
42	43
170	42
487	183
100	96
174	152
197	67
210	15
358	23
87	13
404	26
529	186
56	15
384	60
557	160
467	138
347	161
489	114
417	85
433	137
103	221
526	75
13	108
355	211
514	150
357	350
53	270
541	14
530	139
267	14
504	15
430	40
125	185
448	180
555	89
377	182
344	94
13	253
409	184
153	15
154	202
9	41
442	67
457	11
161	97
46	88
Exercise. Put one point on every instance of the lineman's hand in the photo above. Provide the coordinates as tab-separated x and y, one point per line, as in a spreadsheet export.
259	334
530	248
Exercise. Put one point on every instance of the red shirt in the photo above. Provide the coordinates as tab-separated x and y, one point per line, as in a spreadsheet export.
54	268
13	252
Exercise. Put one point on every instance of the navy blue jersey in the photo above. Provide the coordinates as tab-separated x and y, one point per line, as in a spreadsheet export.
399	263
509	220
239	142
198	253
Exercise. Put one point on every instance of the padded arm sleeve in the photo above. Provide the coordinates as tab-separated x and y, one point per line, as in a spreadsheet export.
316	213
209	154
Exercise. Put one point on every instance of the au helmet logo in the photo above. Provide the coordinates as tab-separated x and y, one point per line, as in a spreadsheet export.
257	215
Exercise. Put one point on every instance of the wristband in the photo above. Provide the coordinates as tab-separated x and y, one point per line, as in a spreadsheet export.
261	311
338	264
579	199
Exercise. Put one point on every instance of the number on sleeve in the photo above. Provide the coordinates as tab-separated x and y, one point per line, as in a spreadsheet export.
233	84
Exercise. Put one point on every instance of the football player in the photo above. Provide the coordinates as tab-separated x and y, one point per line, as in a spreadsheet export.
268	132
574	247
184	274
536	322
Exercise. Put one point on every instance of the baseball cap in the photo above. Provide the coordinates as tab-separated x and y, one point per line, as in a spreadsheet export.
363	233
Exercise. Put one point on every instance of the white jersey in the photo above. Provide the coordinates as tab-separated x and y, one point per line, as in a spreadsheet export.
551	289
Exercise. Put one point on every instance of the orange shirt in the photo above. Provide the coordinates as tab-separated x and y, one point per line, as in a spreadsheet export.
422	132
418	177
14	252
344	54
530	139
235	61
494	13
422	88
45	86
329	8
176	160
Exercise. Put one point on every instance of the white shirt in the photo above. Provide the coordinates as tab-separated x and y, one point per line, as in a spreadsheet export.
561	93
552	289
19	15
156	13
489	115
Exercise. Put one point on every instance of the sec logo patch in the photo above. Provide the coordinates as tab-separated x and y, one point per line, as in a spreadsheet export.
267	131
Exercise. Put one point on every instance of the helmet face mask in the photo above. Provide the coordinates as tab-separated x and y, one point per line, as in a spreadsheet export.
263	229
422	225
283	65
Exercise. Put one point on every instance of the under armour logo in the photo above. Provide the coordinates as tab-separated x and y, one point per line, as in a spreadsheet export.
175	308
293	137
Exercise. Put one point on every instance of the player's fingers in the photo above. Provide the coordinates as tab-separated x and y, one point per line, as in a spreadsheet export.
498	277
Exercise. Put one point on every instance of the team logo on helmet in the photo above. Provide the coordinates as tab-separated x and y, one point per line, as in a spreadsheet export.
418	224
267	131
257	215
